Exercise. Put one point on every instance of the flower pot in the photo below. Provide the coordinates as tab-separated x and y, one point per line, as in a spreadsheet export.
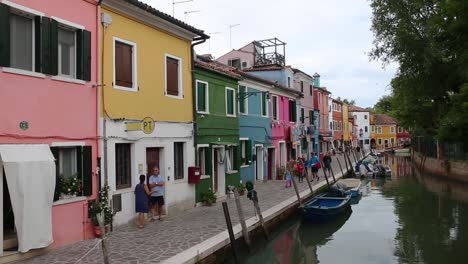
208	203
97	231
241	193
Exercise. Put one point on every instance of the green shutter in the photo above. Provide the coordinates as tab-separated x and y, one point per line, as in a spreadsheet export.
45	45
4	35
201	90
294	111
79	164
235	159
53	47
264	106
311	117
242	99
55	153
37	43
248	151
208	162
79	54
230	107
275	107
87	171
302	115
86	55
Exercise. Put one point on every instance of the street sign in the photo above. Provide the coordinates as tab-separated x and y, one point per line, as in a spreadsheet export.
147	125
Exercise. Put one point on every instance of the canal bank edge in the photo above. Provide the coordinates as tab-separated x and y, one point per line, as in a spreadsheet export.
198	253
452	169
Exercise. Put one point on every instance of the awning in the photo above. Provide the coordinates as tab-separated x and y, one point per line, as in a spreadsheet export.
30	174
224	143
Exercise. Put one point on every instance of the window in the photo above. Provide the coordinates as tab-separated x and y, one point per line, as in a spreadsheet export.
319	98
311	117
366	141
340	126
230	102
392	130
311	89
400	130
235	63
202	97
302	115
173	76
124	65
264	104
365	129
244	64
202	160
392	141
275	107
379	141
178	160
21	42
292	111
379	130
365	116
243	100
123	165
231	158
302	86
66	52
372	129
331	126
246	150
289	82
73	162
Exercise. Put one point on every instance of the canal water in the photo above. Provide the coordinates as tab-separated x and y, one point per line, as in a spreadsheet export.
406	218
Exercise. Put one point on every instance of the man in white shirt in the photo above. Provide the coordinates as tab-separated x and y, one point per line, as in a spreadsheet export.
156	183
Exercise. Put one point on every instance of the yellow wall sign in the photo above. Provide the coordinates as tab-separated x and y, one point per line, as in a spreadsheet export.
147	125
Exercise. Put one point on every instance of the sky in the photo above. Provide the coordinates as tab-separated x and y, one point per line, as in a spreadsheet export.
330	37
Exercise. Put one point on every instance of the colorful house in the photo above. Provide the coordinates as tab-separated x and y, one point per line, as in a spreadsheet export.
347	126
403	136
337	123
147	103
217	127
49	128
321	95
361	120
383	131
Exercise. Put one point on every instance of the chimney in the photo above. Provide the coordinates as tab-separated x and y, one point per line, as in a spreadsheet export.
316	80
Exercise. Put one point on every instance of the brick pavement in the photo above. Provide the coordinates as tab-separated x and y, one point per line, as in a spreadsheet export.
161	240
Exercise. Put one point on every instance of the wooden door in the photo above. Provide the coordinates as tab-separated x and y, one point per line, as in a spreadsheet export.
270	163
152	159
215	170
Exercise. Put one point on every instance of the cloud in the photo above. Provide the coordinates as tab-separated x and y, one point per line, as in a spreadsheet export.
330	37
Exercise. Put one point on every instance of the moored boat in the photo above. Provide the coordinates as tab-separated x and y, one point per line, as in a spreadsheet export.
323	207
352	186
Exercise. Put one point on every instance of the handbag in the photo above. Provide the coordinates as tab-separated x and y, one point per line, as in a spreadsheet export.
318	165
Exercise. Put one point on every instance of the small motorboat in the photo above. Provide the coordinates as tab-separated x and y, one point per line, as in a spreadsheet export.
325	207
351	185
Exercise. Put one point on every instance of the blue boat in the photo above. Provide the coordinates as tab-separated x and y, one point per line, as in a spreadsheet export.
323	207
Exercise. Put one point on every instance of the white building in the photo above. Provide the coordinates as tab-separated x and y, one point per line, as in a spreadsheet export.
361	119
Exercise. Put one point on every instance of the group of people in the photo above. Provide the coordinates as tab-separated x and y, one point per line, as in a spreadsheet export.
301	167
148	195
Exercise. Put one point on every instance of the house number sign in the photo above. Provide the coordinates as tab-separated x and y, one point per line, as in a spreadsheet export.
24	125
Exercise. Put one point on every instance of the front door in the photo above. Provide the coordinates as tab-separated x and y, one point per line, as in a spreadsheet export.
271	163
215	169
152	159
259	163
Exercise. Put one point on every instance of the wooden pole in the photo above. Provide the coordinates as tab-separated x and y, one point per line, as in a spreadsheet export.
230	231
354	156
296	190
341	168
324	173
245	232
332	173
308	183
351	165
260	217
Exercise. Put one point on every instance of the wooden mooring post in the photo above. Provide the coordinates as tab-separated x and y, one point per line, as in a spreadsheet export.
308	182
245	232
260	218
230	231
296	190
341	168
324	173
332	173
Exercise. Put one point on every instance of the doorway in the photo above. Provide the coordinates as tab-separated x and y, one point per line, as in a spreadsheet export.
152	159
282	153
215	169
259	163
271	164
10	240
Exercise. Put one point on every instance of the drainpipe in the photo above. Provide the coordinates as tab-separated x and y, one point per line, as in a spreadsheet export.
198	41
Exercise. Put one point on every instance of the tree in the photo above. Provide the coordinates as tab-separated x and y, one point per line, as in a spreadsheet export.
349	102
384	105
429	41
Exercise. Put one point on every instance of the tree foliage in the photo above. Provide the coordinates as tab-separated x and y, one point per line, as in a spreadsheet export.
429	41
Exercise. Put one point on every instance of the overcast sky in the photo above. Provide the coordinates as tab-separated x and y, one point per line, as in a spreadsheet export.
331	37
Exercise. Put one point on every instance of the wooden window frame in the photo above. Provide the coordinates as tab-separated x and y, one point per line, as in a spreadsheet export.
129	175
178	178
275	116
180	96
263	103
233	101
134	66
244	100
207	98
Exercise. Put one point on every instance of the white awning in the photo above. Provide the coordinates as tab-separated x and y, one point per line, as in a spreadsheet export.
30	174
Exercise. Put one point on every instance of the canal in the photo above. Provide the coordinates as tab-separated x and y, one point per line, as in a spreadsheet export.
406	218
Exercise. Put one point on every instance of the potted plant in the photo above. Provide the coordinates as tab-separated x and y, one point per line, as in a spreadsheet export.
106	211
281	172
241	188
208	197
69	186
94	210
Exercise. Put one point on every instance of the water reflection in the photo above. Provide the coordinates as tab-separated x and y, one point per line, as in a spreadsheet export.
409	217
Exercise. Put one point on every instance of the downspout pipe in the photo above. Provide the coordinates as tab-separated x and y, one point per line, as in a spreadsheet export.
198	41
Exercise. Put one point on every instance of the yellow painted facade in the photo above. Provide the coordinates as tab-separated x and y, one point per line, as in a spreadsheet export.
383	134
152	46
346	128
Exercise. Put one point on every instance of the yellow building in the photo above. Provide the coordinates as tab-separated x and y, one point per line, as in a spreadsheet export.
146	102
346	128
383	131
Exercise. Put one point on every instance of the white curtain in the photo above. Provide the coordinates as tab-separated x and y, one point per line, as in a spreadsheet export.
30	173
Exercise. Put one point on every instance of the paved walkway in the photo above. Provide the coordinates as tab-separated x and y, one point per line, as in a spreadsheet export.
161	240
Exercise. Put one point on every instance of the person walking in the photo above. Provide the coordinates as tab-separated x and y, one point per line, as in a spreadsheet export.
300	169
141	201
156	183
327	160
314	165
289	173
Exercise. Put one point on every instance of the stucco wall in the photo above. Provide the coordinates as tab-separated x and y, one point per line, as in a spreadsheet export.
457	170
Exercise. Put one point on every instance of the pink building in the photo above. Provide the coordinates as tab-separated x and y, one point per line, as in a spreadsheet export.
321	95
49	91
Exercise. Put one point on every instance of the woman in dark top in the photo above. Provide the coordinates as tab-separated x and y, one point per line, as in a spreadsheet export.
141	200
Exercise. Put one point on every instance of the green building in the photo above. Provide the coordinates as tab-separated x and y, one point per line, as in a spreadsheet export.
217	126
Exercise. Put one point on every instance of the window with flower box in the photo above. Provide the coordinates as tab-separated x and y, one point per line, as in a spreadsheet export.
73	171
